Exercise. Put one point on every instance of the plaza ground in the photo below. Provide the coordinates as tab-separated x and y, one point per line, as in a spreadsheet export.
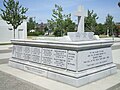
14	79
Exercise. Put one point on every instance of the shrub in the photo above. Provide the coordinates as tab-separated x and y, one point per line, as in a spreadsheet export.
35	33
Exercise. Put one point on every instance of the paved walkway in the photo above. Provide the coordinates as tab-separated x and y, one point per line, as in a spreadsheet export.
10	82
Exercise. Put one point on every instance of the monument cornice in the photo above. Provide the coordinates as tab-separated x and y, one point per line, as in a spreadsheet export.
83	45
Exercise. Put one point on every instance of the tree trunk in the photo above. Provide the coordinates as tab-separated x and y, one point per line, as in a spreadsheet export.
107	32
14	33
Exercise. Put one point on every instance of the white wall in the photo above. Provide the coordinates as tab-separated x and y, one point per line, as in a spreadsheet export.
6	35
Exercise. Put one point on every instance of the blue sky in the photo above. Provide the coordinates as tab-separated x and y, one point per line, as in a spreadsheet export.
42	9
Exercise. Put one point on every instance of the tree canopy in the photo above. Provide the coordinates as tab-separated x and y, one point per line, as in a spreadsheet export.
60	23
90	21
14	13
109	24
31	24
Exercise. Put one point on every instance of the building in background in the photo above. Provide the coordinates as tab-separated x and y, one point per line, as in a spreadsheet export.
117	31
7	33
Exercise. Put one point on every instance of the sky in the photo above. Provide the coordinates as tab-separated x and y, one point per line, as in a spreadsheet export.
42	9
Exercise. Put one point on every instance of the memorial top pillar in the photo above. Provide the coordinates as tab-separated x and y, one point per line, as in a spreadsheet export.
81	13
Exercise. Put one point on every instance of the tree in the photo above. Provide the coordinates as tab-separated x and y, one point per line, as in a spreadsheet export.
41	26
90	21
60	23
69	25
56	22
31	24
117	30
46	29
100	29
14	13
109	24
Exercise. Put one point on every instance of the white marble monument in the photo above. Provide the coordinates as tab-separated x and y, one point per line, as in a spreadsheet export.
75	63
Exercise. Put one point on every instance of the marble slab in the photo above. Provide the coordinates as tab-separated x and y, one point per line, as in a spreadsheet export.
35	70
60	58
78	36
47	56
92	58
14	50
36	51
18	52
19	48
27	57
35	59
90	77
19	55
72	60
35	54
27	50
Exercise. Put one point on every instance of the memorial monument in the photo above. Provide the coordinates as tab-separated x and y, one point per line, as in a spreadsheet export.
77	62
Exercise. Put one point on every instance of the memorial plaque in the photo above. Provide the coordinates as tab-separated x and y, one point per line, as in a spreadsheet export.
14	50
19	52
26	53
27	50
27	57
35	70
19	48
35	58
19	55
35	54
60	58
47	56
92	58
36	51
72	60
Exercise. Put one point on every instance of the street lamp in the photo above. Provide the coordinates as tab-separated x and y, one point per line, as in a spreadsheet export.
119	4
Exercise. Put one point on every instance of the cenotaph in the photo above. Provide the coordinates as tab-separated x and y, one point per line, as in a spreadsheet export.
77	62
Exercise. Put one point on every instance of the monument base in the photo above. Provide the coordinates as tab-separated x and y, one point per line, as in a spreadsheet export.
74	63
72	78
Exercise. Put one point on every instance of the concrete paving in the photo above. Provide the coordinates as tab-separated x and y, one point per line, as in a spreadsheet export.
3	61
116	87
5	51
9	82
5	47
116	56
5	55
14	79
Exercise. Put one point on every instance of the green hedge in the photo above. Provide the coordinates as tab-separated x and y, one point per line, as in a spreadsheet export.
35	33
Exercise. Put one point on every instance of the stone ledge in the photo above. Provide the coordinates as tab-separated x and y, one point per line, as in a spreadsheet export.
102	84
74	79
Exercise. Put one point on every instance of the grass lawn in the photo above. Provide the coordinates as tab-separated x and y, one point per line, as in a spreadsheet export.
31	37
5	43
103	36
